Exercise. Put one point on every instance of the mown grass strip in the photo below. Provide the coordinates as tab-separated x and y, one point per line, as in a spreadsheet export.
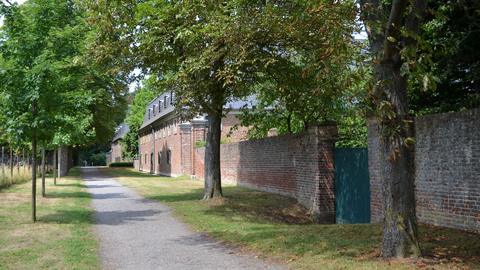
277	227
62	237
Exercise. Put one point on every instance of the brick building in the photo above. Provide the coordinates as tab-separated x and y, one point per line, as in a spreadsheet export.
116	152
167	143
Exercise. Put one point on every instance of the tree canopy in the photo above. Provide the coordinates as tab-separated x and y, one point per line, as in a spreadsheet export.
51	93
44	62
211	52
141	97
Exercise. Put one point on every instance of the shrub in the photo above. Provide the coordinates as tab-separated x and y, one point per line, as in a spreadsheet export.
121	164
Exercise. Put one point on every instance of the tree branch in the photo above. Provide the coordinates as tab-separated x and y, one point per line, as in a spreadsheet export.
412	23
393	29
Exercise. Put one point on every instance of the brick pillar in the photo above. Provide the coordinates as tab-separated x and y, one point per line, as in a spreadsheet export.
323	204
199	127
186	148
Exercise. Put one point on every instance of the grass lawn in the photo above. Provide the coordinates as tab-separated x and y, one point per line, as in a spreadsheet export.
277	227
62	237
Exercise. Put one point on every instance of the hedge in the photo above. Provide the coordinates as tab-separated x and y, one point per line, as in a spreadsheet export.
121	164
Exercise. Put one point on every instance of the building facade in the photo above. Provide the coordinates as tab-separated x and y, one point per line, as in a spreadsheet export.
167	143
116	151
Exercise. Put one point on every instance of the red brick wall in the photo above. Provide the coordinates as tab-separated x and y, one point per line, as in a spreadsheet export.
299	166
447	170
376	205
231	129
167	137
116	154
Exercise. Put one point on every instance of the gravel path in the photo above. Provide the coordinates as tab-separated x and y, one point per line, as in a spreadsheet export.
136	233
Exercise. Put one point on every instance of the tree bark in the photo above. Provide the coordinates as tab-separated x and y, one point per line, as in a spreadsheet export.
400	237
43	172
18	163
23	160
34	169
213	183
55	152
3	162
11	163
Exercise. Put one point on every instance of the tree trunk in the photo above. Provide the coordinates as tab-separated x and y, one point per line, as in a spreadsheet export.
55	166
18	163
213	183
34	177
43	172
3	163
34	166
23	161
11	163
400	237
384	23
59	164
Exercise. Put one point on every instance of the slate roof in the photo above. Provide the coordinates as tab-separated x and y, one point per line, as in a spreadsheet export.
152	112
122	130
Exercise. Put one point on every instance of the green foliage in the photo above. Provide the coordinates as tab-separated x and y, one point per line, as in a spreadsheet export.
95	155
45	65
142	96
450	40
201	143
121	164
306	72
41	70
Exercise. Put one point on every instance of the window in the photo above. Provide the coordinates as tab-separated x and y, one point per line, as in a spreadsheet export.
165	98
169	156
159	158
149	111
171	97
159	106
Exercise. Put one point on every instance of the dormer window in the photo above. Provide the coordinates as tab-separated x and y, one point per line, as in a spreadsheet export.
154	106
165	101
171	97
159	106
149	113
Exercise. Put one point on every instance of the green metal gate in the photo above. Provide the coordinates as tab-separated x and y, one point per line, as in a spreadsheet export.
352	185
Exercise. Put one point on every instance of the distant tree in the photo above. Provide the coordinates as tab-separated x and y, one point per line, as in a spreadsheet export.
51	92
142	96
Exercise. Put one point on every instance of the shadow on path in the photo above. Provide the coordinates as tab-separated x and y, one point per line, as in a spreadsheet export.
84	216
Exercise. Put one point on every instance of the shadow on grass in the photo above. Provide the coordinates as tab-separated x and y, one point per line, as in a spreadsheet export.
251	205
73	194
87	216
126	172
194	195
71	185
277	222
101	186
82	194
77	216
